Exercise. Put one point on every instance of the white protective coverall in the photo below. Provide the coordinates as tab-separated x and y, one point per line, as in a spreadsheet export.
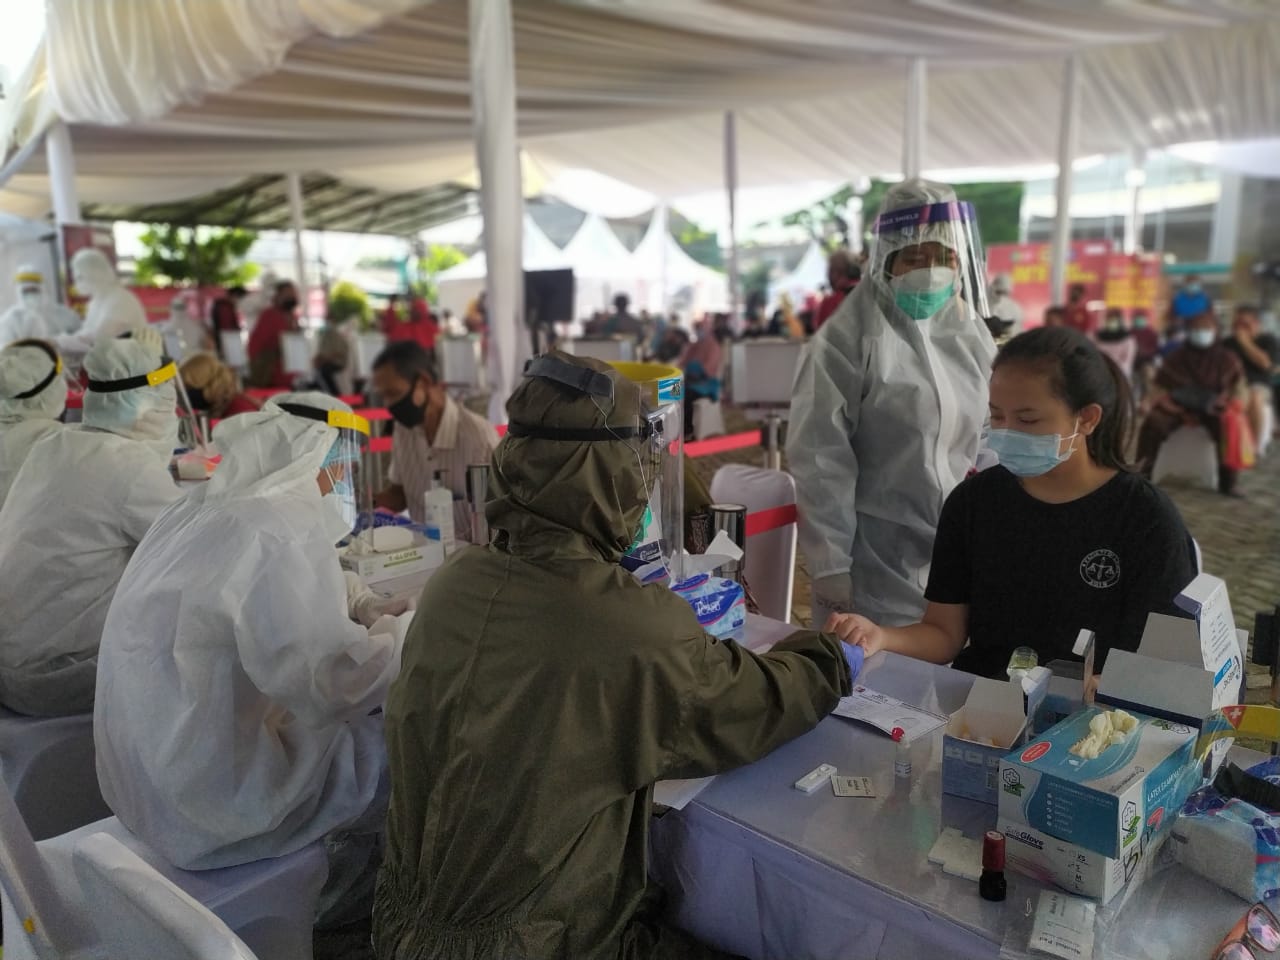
1003	305
35	316
75	513
887	413
232	719
112	309
33	396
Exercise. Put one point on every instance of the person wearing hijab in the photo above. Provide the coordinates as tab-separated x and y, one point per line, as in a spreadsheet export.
234	717
539	665
702	362
33	397
78	508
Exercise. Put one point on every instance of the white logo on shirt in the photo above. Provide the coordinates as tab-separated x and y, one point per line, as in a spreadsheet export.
1100	569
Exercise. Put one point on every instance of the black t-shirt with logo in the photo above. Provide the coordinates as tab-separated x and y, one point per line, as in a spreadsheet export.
1034	574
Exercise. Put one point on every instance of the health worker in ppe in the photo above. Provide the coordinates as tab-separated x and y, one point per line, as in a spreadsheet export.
35	316
32	399
113	310
888	408
539	665
77	509
234	689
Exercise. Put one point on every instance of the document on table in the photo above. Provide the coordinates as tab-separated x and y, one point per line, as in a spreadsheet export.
885	713
1063	926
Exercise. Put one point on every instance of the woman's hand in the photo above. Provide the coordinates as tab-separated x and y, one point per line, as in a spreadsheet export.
857	631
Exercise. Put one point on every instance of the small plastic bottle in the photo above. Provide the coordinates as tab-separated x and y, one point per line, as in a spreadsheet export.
991	885
902	754
1022	660
438	507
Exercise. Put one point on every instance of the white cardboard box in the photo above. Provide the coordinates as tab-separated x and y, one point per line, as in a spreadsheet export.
376	567
993	711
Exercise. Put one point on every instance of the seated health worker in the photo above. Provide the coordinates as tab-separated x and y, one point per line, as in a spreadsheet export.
77	509
1062	536
544	691
234	689
33	396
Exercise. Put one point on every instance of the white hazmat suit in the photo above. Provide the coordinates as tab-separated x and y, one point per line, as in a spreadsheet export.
78	507
33	397
35	316
232	719
112	309
887	414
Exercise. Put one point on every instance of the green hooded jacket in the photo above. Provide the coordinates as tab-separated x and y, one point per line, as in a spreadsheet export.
543	692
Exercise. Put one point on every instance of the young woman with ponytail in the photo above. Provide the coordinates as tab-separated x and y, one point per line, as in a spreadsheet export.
1063	535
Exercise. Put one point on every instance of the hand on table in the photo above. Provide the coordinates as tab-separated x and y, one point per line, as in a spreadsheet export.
857	631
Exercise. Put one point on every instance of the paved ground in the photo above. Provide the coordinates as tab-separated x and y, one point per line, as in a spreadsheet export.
1240	540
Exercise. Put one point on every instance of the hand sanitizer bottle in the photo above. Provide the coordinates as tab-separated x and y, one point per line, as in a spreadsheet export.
438	507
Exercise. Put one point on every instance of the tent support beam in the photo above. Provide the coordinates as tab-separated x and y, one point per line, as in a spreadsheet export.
915	118
19	159
1133	181
293	183
1068	133
62	174
731	191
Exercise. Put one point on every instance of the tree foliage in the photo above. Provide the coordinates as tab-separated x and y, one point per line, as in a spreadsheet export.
195	256
702	245
349	302
437	259
825	221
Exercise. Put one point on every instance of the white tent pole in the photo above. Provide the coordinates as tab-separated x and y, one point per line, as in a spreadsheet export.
1133	181
62	174
493	110
298	222
915	121
661	214
1067	136
731	189
1224	234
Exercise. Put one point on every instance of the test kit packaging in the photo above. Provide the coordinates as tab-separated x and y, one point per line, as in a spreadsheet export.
995	718
1101	804
719	604
373	568
1073	868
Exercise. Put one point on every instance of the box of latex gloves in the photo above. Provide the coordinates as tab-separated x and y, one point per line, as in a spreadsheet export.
995	718
394	552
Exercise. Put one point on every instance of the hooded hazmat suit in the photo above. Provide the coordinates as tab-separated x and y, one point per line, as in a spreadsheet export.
543	691
887	413
232	718
34	315
113	310
32	399
75	513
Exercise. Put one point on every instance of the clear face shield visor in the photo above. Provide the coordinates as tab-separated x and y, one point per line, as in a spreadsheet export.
928	254
349	493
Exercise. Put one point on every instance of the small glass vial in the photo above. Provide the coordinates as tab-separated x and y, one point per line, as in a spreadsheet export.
1021	661
991	885
901	754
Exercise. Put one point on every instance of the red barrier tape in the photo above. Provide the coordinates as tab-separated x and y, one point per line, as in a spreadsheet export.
772	519
735	441
380	445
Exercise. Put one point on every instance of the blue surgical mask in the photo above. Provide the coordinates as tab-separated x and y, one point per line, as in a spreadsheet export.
340	501
1030	454
922	293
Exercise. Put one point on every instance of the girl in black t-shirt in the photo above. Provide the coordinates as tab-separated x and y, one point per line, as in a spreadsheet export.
1061	536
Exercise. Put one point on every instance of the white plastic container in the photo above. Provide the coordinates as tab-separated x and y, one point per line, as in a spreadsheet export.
437	506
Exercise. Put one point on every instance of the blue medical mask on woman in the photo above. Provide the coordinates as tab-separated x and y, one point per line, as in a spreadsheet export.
1030	454
922	293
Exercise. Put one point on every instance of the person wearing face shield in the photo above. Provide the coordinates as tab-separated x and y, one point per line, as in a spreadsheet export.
32	399
540	662
77	509
888	408
113	310
235	687
35	316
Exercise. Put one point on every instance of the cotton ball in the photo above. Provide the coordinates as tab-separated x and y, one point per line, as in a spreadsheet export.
1100	726
1124	721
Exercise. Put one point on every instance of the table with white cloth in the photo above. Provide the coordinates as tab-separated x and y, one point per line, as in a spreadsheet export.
755	867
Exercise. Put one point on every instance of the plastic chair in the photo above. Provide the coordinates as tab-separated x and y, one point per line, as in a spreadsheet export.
1263	440
38	921
708	418
763	371
48	765
770	566
1189	452
136	912
270	904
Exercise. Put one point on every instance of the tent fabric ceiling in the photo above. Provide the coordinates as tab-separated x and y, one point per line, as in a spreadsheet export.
376	92
262	203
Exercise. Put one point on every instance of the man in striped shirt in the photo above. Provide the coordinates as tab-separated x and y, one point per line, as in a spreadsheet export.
433	434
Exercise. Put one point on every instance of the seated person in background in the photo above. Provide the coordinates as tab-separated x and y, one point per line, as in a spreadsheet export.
433	433
1003	305
1197	379
1061	536
1116	340
1259	355
1054	316
234	689
544	639
622	323
225	313
33	396
214	388
333	356
702	362
1147	351
266	352
1076	314
77	509
672	345
843	273
1188	303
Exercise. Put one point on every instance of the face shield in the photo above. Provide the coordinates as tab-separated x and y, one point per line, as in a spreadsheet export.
926	251
141	406
31	385
343	483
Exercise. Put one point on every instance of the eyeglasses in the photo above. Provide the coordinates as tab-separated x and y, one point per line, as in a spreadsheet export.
1255	937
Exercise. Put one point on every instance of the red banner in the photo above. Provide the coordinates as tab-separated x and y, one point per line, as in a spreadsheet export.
1027	265
1135	284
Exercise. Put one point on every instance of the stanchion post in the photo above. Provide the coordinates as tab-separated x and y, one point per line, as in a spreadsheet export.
732	519
773	442
477	492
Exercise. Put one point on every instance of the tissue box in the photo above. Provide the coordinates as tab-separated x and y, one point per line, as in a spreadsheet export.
719	604
1104	805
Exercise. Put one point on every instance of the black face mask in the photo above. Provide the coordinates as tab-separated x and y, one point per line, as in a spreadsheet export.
288	303
197	398
407	413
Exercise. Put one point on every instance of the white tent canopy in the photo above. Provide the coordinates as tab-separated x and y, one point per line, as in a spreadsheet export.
602	266
668	279
809	274
459	285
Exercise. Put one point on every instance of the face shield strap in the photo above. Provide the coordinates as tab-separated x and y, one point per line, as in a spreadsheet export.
338	419
153	379
583	435
53	374
896	221
583	379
